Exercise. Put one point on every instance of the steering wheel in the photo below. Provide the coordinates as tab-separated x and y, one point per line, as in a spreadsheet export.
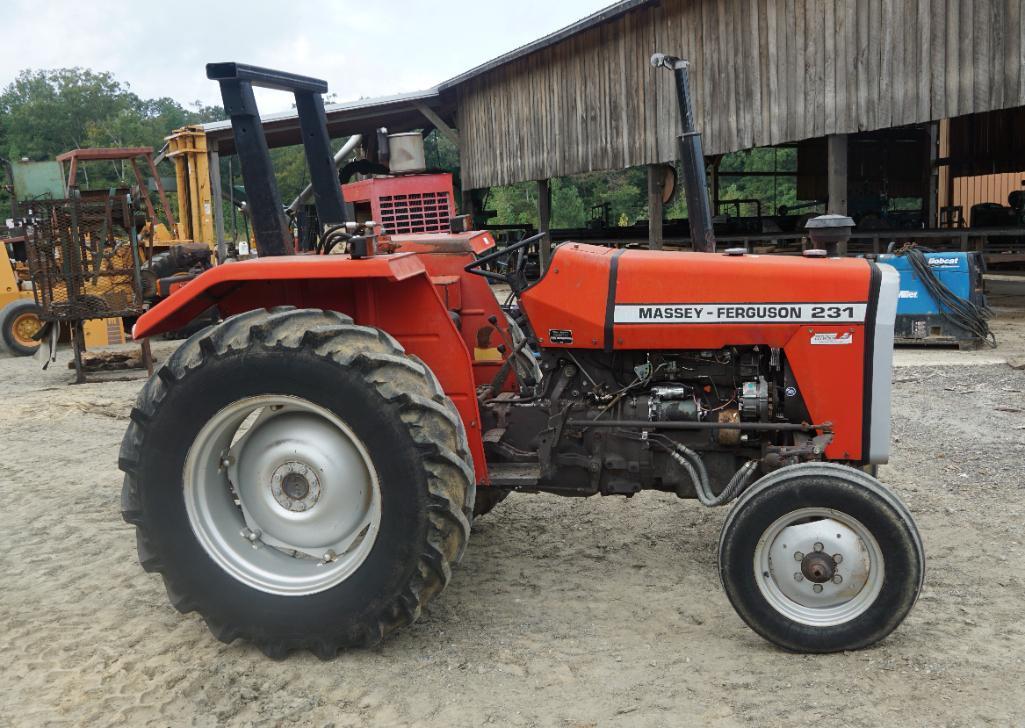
517	278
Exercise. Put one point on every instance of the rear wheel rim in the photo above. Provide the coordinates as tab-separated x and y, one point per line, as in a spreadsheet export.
24	327
282	494
819	567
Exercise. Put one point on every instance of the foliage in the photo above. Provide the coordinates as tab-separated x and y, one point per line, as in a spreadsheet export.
573	199
773	191
441	153
625	192
46	112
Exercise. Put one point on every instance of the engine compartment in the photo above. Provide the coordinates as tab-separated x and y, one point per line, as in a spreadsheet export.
617	422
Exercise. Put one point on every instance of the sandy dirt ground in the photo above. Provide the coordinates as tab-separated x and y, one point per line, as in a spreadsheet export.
570	613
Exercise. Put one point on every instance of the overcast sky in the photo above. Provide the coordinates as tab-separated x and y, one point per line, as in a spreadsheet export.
361	48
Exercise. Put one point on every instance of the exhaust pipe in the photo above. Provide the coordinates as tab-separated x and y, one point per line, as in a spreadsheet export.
304	196
692	160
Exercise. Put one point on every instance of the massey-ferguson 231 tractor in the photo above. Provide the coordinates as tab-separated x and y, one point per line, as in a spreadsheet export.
305	473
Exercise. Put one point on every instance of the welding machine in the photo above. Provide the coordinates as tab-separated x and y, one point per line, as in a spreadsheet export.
942	298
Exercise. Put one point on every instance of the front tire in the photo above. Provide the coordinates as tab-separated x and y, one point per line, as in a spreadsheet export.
19	322
328	523
819	557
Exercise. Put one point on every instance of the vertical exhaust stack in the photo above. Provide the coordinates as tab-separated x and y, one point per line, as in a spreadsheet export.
692	160
270	227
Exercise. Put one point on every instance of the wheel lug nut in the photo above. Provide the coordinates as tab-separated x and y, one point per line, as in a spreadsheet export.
837	578
838	558
798	576
819	546
798	556
330	555
817	588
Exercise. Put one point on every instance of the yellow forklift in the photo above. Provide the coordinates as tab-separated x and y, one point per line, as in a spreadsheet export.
19	314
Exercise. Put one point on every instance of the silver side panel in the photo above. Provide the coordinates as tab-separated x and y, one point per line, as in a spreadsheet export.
882	365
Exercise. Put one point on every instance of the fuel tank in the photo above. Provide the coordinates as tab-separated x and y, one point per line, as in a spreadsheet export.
831	317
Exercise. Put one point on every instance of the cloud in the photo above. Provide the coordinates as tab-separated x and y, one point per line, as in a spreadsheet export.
361	49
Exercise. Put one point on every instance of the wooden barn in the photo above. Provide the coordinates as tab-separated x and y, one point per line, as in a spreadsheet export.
920	98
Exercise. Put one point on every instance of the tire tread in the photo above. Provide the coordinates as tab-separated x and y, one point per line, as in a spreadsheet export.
407	386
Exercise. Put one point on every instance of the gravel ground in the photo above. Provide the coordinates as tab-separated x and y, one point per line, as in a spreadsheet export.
563	613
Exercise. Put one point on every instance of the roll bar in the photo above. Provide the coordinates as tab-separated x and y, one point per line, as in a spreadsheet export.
270	228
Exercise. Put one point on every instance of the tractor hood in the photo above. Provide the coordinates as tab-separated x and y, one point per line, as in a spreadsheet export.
832	319
639	299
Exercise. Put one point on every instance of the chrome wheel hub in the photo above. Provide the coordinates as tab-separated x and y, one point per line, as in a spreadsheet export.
282	494
819	567
295	486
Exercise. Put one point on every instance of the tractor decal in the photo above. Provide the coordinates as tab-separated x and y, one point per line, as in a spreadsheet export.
739	313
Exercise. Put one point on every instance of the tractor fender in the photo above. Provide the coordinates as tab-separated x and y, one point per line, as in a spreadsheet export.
223	285
393	293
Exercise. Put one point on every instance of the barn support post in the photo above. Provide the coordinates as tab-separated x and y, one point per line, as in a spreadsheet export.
466	206
836	156
544	217
933	172
215	200
713	173
655	175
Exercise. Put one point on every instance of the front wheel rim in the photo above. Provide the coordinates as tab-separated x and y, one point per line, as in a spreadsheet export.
819	567
282	494
24	327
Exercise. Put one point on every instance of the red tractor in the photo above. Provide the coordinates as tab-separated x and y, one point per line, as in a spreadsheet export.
305	473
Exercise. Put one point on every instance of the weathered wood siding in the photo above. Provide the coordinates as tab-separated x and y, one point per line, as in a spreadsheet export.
763	72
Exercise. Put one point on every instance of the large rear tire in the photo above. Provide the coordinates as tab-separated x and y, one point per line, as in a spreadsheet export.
298	480
19	322
819	557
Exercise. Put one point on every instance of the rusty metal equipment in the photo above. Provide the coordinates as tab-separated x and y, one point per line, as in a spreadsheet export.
133	156
85	261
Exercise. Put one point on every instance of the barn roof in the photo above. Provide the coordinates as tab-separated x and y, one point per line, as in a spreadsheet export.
605	14
399	112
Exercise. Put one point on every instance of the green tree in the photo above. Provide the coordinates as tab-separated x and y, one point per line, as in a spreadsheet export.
46	112
567	206
514	204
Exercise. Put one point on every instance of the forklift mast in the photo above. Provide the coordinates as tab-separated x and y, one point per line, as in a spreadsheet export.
270	228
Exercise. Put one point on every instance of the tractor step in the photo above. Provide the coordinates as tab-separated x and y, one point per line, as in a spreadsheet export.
514	475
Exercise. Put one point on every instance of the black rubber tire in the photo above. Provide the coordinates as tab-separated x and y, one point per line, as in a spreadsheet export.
8	315
392	402
847	490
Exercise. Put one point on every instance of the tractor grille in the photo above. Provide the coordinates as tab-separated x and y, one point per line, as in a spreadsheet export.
419	212
83	257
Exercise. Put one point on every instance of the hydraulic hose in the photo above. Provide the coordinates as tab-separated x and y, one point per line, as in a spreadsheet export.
959	311
692	463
